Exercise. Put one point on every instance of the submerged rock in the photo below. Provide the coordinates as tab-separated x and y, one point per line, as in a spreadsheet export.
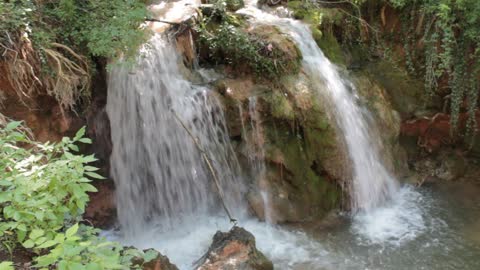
234	250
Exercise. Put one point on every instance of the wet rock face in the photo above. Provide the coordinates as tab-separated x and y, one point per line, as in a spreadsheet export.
234	250
101	210
387	122
304	162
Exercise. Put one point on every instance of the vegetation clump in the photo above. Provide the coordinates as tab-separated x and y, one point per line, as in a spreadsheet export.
450	32
50	45
225	41
43	193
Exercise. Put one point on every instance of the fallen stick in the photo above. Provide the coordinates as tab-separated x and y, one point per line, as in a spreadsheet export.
210	167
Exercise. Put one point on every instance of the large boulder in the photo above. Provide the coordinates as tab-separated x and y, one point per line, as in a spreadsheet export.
304	161
234	250
387	122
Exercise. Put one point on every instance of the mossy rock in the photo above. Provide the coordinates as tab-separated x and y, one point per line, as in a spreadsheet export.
311	191
286	53
280	106
329	46
234	5
406	94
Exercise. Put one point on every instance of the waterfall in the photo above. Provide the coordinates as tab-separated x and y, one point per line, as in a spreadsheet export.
255	152
159	174
372	184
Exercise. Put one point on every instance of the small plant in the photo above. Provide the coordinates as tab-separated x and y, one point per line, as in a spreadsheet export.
80	248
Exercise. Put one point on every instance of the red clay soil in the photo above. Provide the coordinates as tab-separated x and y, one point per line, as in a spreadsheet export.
434	132
101	210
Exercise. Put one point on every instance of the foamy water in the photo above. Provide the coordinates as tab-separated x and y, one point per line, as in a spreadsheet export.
398	221
288	249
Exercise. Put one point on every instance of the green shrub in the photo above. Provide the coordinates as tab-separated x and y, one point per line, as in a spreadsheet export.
80	248
43	186
225	42
43	191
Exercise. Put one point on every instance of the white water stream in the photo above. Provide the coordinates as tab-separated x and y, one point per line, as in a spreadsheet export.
166	198
372	188
159	174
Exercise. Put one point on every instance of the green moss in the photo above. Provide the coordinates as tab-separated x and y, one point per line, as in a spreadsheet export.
407	94
297	7
280	106
234	5
332	16
305	11
330	47
302	152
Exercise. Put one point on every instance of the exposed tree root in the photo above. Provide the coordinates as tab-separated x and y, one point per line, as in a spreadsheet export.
64	74
21	65
71	79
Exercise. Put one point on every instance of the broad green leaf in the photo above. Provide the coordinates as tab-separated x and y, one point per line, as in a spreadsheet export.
85	140
4	197
74	147
47	244
150	255
39	216
45	260
63	265
6	266
12	125
59	238
94	175
80	134
36	233
5	183
76	266
90	168
40	240
69	155
28	244
90	158
89	188
93	266
22	227
21	236
71	231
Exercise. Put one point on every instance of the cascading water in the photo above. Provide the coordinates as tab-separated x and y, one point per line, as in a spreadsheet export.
254	141
166	199
372	184
373	187
159	174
